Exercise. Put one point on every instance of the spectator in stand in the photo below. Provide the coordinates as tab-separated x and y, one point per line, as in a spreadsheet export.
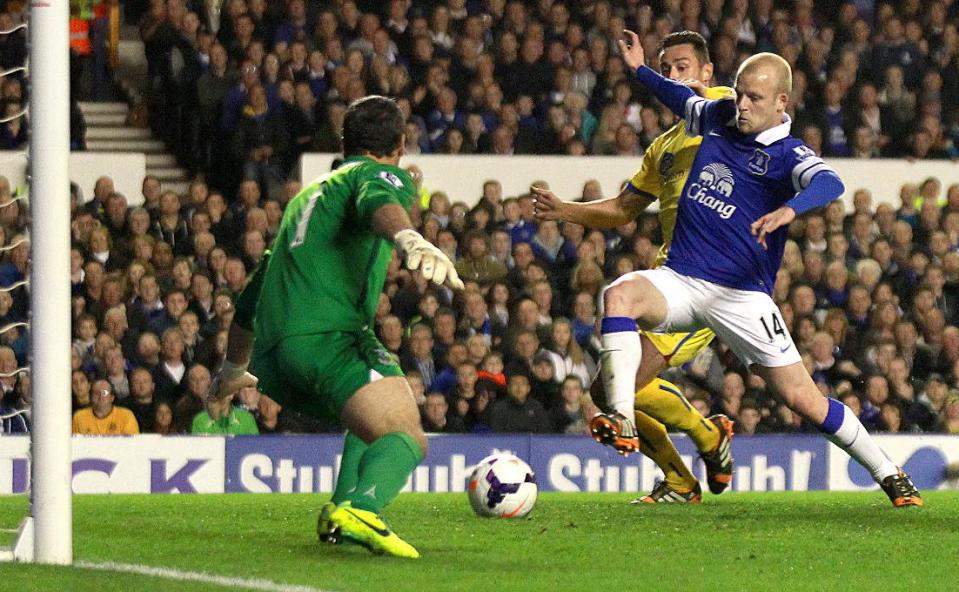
174	305
518	412
115	371
80	391
163	423
147	307
434	413
13	45
170	374
331	130
896	50
567	354
102	189
303	121
477	321
750	416
169	226
141	400
566	413
192	400
234	422
296	27
102	418
864	143
444	117
477	264
543	384
835	121
238	96
420	355
212	86
731	396
261	143
12	421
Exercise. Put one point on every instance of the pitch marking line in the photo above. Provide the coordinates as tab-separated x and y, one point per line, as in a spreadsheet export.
195	576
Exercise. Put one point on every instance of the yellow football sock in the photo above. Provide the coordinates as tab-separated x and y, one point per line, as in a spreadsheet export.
663	401
655	443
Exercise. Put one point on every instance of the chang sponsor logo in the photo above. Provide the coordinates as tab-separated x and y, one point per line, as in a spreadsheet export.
715	182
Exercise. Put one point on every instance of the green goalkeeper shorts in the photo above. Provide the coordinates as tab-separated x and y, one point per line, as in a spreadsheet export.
317	374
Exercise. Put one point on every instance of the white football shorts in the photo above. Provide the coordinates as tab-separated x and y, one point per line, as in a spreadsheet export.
748	322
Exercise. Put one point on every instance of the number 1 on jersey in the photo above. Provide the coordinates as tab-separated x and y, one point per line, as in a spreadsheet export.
304	221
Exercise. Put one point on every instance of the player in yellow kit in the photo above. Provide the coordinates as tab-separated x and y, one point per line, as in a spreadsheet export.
666	164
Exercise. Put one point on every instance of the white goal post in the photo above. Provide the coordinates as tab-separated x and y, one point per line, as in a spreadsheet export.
46	536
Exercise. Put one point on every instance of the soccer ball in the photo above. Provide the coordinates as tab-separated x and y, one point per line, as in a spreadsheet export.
503	486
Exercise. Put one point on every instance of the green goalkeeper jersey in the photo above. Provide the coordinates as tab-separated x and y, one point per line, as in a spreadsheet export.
327	267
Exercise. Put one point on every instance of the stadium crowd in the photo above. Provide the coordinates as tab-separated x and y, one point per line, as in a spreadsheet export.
871	295
244	91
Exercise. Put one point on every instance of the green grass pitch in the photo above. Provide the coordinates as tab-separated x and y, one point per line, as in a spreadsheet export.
771	541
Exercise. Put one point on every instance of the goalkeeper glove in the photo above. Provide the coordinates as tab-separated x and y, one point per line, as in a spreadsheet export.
424	256
229	380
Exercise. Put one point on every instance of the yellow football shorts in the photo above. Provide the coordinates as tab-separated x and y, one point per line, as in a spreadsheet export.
679	348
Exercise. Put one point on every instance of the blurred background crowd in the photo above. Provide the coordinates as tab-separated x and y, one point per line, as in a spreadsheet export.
239	89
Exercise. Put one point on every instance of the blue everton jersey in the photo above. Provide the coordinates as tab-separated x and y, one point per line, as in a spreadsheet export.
735	180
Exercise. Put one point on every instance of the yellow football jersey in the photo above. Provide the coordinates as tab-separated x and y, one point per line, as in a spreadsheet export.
120	422
666	165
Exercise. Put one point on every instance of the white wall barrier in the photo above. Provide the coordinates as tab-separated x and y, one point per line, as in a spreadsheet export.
303	464
461	177
127	170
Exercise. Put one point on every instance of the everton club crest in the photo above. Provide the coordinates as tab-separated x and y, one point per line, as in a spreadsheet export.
758	163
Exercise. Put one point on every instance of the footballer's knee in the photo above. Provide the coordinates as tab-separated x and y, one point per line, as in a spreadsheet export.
622	299
634	298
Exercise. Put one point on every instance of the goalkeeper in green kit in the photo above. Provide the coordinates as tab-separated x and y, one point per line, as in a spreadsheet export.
305	319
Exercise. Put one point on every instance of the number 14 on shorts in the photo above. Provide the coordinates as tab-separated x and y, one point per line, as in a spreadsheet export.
773	327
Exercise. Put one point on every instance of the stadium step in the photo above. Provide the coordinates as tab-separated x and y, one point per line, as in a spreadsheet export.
102	119
160	160
145	146
118	133
89	108
165	174
107	132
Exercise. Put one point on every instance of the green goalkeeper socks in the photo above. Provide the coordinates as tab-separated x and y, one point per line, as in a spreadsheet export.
384	469
346	479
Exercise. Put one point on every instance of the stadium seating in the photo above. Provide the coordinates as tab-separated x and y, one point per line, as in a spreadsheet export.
870	293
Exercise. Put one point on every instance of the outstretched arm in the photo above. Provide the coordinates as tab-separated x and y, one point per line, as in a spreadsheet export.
391	222
672	94
604	213
678	97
